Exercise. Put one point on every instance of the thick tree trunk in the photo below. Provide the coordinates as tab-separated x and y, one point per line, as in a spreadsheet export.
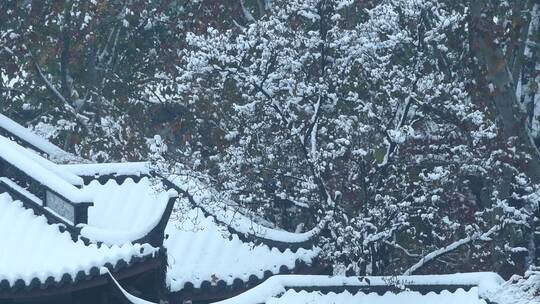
521	20
512	119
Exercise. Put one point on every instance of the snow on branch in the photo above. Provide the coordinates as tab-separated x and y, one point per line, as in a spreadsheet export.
442	251
69	107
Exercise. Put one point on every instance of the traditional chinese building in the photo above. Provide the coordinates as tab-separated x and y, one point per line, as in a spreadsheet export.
77	232
70	228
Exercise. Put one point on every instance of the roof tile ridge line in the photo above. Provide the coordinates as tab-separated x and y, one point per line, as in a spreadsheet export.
102	244
278	284
313	232
255	280
102	180
128	168
36	137
120	179
250	282
67	278
45	163
282	246
53	174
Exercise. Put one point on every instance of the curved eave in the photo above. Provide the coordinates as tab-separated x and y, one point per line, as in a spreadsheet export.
245	237
119	178
155	234
68	284
219	290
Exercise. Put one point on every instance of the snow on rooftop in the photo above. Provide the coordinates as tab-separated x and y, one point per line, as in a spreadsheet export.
45	163
200	250
518	290
270	290
31	248
33	198
208	198
125	212
128	168
460	296
35	140
121	213
43	171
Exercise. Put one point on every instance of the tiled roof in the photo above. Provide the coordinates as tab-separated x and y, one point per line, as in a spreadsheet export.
23	135
124	212
120	213
126	207
35	253
471	288
445	297
105	169
227	213
203	252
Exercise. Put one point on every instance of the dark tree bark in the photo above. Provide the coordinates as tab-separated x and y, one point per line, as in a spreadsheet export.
65	56
512	119
504	100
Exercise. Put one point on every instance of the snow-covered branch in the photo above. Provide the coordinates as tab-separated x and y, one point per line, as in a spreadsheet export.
81	118
432	256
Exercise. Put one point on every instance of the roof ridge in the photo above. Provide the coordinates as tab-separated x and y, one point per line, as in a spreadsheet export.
36	142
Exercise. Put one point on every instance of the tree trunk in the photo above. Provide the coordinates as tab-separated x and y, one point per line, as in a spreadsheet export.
511	118
64	57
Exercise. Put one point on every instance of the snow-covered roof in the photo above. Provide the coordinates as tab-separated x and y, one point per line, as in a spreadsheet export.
120	213
123	219
224	212
125	206
13	147
42	170
34	140
445	297
518	290
200	250
300	289
32	249
127	168
124	212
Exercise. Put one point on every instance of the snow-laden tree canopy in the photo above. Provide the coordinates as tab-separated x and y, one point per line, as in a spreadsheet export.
368	117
